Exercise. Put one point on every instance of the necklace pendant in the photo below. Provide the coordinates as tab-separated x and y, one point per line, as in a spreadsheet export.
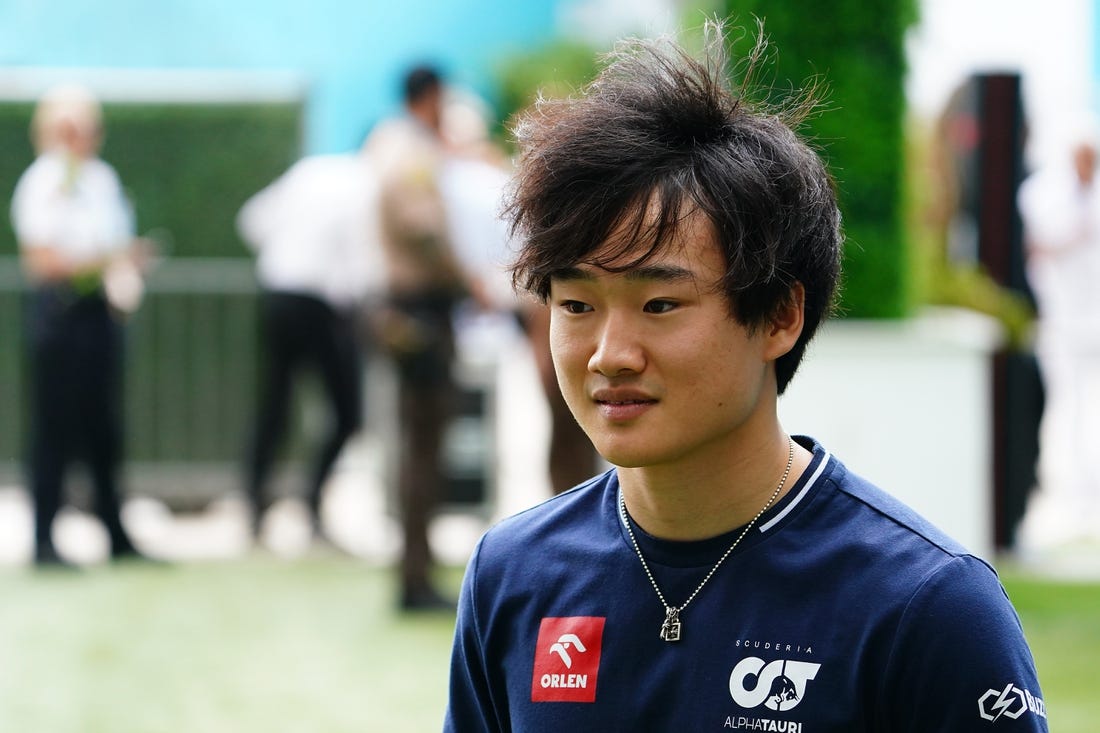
670	629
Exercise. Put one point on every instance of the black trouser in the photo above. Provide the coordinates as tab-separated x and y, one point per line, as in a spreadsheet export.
76	404
426	397
299	332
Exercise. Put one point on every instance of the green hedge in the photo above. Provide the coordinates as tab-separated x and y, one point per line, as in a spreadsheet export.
856	49
191	362
556	69
188	168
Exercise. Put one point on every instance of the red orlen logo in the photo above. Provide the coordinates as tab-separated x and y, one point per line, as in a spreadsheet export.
567	659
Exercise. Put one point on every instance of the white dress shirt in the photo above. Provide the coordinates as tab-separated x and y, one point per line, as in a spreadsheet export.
75	207
315	232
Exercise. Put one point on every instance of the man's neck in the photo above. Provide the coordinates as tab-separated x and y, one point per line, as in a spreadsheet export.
710	497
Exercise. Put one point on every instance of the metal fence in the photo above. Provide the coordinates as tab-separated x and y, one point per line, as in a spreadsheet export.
190	371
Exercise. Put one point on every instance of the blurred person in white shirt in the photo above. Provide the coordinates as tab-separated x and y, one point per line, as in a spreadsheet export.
1060	208
473	181
75	227
312	232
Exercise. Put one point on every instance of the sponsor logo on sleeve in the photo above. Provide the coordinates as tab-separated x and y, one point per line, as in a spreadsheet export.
1010	702
567	659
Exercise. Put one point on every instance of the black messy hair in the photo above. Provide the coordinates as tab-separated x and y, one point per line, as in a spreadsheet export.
606	178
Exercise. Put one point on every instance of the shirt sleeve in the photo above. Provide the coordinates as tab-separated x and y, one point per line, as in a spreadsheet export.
960	661
38	204
259	216
27	224
470	706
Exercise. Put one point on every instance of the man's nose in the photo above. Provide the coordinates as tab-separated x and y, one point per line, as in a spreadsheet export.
618	348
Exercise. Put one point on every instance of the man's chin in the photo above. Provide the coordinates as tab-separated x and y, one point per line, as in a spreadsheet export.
626	458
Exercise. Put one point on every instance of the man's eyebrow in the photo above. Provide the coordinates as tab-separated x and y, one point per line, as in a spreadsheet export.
660	273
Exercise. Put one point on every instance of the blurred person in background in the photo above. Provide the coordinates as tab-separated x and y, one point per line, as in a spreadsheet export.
1060	208
425	281
571	459
311	230
474	180
473	174
75	229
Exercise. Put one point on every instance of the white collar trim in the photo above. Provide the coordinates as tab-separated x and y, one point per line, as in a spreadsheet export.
801	495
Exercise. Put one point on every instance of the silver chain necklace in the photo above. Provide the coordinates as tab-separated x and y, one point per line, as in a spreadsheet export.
671	626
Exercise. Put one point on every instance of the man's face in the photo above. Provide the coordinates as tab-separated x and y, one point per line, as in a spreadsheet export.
652	364
80	138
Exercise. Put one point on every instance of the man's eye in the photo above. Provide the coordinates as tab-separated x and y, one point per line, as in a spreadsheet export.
660	306
575	306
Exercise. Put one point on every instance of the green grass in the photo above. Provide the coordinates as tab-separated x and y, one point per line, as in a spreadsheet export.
253	645
1062	624
265	645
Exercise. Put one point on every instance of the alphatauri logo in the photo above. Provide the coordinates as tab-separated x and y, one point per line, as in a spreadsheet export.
567	659
777	685
1011	702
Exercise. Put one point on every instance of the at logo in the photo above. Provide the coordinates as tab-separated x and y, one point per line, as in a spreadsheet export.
567	659
778	685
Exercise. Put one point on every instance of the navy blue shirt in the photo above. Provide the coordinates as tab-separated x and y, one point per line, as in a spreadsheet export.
841	611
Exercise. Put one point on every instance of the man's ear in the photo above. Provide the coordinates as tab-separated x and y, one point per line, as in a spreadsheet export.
786	325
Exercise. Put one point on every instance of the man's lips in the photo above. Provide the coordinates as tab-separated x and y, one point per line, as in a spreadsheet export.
621	396
622	405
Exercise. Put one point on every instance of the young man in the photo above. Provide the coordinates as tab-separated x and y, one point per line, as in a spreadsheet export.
723	576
